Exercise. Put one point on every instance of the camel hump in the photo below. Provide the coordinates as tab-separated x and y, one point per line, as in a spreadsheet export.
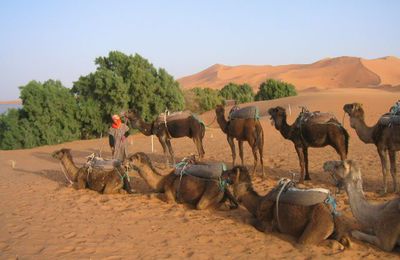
206	171
250	112
391	118
303	197
316	117
179	115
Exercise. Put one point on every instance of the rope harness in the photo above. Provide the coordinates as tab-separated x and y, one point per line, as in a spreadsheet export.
65	174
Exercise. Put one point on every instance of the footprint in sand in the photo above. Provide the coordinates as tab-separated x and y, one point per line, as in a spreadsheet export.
113	257
20	234
65	250
70	235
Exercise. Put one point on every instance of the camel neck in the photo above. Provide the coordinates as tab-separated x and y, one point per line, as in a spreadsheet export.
151	177
250	199
286	129
222	121
363	131
363	211
144	128
70	167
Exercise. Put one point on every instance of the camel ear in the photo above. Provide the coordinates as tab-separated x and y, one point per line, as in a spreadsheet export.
237	175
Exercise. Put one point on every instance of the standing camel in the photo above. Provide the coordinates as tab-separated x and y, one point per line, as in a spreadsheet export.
199	192
249	130
304	135
381	220
188	125
309	224
386	139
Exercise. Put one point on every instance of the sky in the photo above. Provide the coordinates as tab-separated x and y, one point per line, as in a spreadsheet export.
41	40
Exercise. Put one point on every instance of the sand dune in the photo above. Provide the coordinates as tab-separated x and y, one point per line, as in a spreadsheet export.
42	218
340	72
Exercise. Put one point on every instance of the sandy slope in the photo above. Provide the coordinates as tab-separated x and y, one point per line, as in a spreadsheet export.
42	218
337	72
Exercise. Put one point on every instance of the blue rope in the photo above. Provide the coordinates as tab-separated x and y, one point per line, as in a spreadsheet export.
332	201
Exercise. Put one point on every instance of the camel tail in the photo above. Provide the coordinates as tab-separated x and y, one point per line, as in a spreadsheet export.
346	138
260	135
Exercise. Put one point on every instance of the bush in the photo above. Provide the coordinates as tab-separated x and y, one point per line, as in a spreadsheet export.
272	89
241	93
207	98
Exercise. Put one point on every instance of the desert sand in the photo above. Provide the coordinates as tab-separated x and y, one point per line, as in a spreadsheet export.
42	218
339	72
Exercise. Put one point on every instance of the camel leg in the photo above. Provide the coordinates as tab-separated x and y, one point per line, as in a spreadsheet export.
241	151
254	150
300	154
199	147
171	151
165	149
393	169
370	239
232	201
319	227
260	151
383	156
232	145
305	152
211	197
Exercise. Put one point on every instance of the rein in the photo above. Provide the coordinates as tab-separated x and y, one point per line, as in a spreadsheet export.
65	174
285	183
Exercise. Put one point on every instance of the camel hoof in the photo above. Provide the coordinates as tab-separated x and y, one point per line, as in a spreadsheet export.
382	193
307	178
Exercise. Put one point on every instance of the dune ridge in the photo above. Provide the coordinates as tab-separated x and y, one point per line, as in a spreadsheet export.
339	72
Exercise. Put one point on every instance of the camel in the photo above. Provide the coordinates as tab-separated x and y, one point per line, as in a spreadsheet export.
385	138
304	135
381	220
97	179
190	126
309	224
249	130
199	192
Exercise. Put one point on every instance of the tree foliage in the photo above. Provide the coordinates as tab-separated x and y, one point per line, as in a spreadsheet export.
241	93
272	89
207	98
121	82
48	116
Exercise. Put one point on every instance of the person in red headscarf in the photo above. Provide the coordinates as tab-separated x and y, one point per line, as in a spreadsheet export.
117	137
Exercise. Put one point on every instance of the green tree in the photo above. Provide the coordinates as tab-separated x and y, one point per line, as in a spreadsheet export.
207	98
272	89
241	93
121	82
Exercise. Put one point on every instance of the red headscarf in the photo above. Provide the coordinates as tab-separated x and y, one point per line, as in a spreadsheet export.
116	121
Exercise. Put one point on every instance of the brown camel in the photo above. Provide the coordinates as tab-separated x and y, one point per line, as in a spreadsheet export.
199	192
249	130
304	135
100	180
189	126
381	220
309	224
386	139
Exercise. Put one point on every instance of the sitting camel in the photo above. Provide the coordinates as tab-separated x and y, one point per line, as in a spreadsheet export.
249	130
381	220
94	178
199	192
311	133
310	224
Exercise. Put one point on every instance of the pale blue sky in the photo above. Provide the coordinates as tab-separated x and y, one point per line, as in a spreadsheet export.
60	39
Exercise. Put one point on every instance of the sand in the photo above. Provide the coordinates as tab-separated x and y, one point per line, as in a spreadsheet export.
339	72
42	218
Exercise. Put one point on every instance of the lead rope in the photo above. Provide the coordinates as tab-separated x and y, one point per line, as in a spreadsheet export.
65	174
286	182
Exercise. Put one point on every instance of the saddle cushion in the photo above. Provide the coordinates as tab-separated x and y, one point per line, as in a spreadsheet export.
389	119
303	197
207	171
250	112
98	162
315	117
174	116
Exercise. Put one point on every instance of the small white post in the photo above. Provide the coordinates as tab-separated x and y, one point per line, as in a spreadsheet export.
152	143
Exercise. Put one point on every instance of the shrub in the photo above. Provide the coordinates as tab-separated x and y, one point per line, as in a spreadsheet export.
272	89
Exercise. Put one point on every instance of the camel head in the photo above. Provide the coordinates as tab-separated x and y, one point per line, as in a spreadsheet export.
59	154
240	178
278	116
132	117
137	160
354	110
343	171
